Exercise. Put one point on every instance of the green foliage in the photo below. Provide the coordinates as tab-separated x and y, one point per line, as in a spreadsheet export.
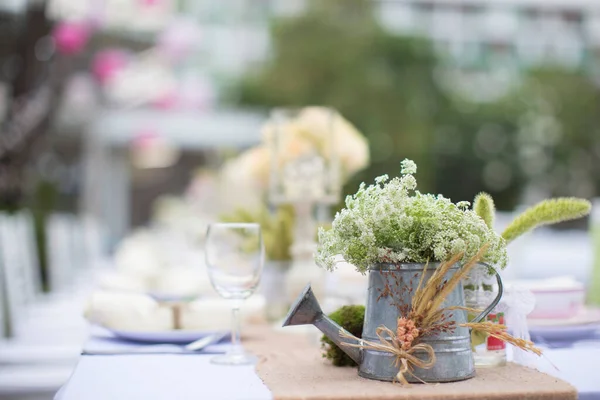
546	212
559	131
389	86
479	143
350	318
337	55
392	222
277	229
545	133
477	337
483	205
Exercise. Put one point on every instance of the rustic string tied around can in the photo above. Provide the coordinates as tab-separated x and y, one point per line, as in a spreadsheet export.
404	360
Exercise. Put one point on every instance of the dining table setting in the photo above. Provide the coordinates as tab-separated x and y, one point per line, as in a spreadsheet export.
402	295
290	366
144	345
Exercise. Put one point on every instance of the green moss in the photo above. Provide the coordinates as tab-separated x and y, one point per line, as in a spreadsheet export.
350	318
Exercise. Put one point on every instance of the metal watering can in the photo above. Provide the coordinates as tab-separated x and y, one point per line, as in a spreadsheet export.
454	357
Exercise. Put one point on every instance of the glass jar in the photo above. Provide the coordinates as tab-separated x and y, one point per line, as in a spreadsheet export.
273	285
594	288
479	294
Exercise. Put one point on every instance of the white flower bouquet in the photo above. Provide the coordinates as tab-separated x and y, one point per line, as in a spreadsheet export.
306	133
390	221
318	129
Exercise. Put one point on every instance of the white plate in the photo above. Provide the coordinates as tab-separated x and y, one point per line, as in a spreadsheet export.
179	337
566	333
587	316
584	325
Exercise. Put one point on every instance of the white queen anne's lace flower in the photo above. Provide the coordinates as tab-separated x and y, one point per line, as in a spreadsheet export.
391	222
408	167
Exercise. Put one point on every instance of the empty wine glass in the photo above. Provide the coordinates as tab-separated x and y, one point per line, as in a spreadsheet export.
234	260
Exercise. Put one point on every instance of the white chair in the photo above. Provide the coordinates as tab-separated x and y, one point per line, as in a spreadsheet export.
3	305
69	272
93	236
59	251
34	320
25	232
15	280
26	304
31	365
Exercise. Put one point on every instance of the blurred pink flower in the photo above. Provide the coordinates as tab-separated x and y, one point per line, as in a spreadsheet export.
151	150
96	17
197	93
167	101
178	39
144	139
70	37
149	3
107	63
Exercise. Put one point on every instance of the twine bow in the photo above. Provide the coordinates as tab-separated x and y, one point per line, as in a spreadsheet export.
404	359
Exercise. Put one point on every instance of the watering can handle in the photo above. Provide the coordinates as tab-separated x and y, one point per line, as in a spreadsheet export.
494	303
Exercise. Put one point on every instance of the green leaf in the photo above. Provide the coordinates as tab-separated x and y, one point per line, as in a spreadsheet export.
477	338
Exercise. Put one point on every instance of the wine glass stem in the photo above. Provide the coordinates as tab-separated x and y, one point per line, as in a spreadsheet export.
236	340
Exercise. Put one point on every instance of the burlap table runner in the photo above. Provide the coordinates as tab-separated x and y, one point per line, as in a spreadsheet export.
293	369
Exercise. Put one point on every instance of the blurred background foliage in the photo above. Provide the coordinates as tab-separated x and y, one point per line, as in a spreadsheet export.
527	144
559	131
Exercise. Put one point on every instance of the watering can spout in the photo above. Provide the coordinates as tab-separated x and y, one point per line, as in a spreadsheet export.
307	311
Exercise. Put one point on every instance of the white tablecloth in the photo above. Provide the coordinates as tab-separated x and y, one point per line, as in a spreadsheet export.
161	377
580	366
169	376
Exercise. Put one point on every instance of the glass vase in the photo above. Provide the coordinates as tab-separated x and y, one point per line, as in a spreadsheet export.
305	173
594	288
480	291
273	285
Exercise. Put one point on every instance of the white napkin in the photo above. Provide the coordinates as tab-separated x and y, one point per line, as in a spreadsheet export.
138	312
214	313
125	311
118	281
182	282
172	282
138	257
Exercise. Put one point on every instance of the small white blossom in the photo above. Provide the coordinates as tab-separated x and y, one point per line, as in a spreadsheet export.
463	205
408	167
409	182
381	179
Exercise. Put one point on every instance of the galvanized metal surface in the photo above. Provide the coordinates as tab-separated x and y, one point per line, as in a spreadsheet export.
454	358
306	310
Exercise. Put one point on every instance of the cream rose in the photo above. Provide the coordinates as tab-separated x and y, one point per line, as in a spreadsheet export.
310	131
